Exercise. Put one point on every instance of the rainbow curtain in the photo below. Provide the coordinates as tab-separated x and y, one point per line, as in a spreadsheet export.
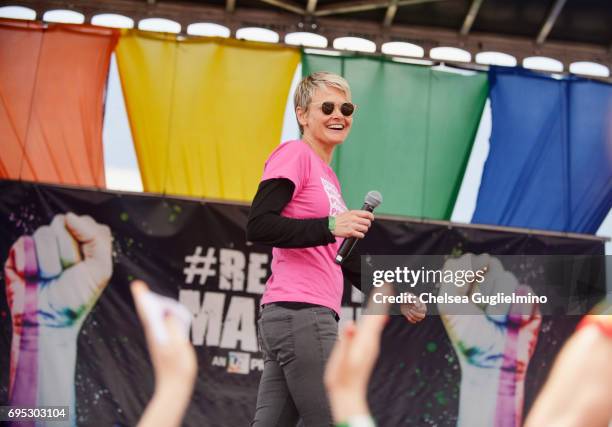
205	113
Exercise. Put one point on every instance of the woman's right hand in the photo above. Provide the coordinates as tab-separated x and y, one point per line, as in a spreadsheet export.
353	224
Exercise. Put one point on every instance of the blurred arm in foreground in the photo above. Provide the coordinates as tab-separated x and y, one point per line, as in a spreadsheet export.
174	363
577	392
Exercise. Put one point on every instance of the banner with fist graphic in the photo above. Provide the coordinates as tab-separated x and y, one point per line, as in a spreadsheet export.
70	336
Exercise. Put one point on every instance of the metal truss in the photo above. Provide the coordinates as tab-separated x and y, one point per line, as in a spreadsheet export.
331	21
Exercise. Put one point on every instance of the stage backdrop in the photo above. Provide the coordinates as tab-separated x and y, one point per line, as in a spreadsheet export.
196	251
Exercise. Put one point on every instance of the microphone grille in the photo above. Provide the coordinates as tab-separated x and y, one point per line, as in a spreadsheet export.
373	198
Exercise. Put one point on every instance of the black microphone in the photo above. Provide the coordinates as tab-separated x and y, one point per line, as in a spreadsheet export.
372	200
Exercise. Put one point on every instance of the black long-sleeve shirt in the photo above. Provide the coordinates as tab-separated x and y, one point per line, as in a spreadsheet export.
266	225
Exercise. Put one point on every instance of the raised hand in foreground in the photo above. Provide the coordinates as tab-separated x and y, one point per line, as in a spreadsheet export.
172	355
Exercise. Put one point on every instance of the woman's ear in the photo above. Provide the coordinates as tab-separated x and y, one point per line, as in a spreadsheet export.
302	115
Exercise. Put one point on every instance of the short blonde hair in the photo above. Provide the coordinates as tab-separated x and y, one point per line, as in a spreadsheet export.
309	84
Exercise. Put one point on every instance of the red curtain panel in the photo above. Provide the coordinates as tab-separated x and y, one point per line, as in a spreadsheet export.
52	89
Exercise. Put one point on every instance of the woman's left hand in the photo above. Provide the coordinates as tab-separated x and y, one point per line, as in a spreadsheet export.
414	312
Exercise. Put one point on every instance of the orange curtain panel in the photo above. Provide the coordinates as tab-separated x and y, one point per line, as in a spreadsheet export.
52	87
205	112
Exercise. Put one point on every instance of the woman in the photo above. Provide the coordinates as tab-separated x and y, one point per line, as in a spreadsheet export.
299	210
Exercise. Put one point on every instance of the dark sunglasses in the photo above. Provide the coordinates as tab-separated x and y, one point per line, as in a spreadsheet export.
346	108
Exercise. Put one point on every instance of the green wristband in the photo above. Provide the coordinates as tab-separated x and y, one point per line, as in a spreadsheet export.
331	223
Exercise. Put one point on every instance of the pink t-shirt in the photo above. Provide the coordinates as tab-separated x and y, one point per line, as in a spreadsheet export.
306	274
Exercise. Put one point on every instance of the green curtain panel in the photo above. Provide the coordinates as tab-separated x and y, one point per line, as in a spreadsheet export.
412	134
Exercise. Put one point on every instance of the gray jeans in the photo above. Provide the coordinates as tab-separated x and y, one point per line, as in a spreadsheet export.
296	344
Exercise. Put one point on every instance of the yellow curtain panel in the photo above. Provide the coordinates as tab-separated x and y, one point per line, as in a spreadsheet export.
205	113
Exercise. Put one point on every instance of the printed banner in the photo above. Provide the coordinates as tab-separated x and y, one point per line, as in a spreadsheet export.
70	336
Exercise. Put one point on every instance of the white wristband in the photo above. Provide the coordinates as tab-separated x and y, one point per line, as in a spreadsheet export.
361	421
